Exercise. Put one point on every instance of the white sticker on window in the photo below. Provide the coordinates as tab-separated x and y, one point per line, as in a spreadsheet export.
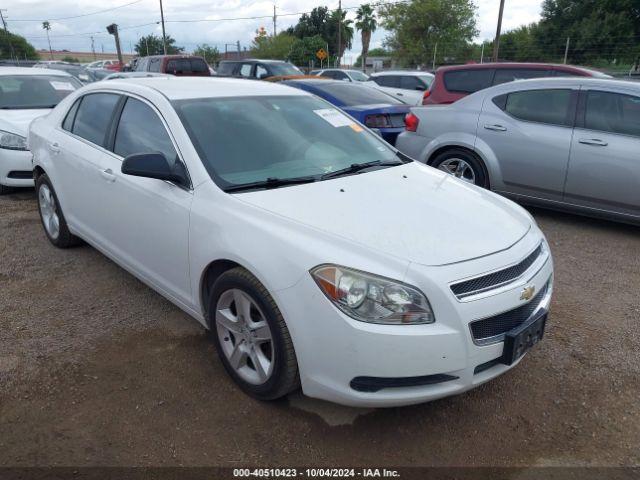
334	117
62	85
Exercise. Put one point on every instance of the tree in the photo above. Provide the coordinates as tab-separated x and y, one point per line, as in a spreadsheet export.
314	23
303	50
324	23
339	19
415	28
209	53
15	46
367	23
47	26
276	48
152	45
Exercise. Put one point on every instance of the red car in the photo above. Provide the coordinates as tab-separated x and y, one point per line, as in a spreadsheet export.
453	83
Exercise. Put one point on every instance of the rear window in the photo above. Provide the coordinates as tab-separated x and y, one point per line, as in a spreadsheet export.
94	116
350	94
505	75
549	106
468	81
192	65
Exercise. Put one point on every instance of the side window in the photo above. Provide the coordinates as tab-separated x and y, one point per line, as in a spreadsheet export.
94	116
71	116
388	81
140	130
411	83
154	65
504	75
613	112
542	106
340	76
468	81
261	71
329	74
245	70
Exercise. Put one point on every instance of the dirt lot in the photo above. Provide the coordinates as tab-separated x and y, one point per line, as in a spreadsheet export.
97	369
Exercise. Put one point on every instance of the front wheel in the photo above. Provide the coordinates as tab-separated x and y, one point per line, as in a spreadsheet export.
462	164
53	221
251	337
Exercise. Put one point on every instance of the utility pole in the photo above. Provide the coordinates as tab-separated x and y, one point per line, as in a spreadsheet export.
496	43
435	51
566	51
164	37
274	20
339	31
238	43
4	24
93	48
113	30
482	53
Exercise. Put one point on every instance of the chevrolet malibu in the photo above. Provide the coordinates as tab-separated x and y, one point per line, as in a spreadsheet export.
25	94
315	254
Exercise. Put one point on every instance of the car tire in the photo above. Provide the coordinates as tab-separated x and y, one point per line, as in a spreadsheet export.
240	306
51	216
462	164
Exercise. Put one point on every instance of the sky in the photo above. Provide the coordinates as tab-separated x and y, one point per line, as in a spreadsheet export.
136	18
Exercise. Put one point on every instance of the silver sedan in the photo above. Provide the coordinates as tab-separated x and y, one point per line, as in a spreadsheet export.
564	143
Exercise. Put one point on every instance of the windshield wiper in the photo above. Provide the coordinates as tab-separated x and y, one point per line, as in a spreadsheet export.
271	182
358	167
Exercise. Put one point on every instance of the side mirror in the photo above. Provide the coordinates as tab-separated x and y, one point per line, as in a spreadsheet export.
155	165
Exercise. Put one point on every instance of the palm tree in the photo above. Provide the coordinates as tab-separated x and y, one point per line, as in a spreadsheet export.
47	26
339	19
366	22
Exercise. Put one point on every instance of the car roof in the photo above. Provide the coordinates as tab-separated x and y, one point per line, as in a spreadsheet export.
180	88
605	83
501	65
245	60
32	71
401	72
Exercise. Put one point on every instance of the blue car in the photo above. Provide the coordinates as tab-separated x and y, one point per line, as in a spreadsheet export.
380	112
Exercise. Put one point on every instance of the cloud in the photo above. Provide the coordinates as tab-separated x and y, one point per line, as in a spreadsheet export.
75	34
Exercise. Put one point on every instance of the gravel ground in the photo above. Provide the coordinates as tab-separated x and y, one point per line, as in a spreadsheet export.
97	369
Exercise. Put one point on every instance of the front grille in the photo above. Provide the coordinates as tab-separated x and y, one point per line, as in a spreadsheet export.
498	325
495	279
397	120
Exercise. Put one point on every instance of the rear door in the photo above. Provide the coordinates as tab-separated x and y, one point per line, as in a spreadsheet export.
604	167
529	132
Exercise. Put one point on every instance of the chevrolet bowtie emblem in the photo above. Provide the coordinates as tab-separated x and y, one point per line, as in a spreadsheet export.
527	292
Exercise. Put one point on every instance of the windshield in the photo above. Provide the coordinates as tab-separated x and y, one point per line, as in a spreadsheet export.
349	94
284	69
252	139
34	91
358	76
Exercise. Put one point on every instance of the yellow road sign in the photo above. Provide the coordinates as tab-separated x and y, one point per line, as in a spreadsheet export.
321	54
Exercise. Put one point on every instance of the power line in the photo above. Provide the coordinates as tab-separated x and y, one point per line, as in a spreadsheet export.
77	16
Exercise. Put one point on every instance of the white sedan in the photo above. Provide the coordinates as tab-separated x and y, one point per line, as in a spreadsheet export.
316	254
25	94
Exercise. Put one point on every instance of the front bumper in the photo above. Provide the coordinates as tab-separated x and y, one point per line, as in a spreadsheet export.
15	165
332	349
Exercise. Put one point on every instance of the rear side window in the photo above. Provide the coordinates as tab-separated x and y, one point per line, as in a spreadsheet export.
504	75
468	81
94	116
225	68
68	120
542	106
392	81
613	112
140	130
245	70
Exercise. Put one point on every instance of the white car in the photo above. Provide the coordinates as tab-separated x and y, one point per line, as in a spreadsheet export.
25	94
340	74
316	254
408	86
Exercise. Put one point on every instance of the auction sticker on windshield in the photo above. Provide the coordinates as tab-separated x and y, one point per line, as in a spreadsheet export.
62	86
334	117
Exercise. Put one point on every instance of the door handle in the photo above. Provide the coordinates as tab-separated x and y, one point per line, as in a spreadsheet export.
54	147
593	141
108	175
496	128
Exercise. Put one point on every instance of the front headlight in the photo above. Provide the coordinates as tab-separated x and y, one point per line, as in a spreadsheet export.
11	141
370	298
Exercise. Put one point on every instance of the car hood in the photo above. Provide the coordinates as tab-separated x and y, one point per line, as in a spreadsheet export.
17	121
412	212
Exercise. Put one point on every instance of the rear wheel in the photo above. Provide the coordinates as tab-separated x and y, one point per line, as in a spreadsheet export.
462	164
251	337
55	226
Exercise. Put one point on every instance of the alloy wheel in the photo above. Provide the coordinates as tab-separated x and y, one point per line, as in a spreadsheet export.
245	336
49	211
459	168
